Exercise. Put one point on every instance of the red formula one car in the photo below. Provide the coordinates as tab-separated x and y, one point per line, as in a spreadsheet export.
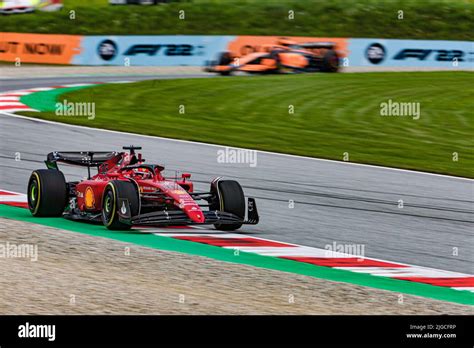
126	191
283	57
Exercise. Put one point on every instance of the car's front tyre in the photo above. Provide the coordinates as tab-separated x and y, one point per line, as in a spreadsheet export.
230	199
330	62
115	190
225	58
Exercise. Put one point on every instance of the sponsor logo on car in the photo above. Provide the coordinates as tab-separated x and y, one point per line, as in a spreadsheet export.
89	198
123	210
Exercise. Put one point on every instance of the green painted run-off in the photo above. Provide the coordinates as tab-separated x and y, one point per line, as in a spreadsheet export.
245	258
45	101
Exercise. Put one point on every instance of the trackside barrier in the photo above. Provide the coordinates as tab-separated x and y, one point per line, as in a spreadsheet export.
196	50
411	53
150	50
39	48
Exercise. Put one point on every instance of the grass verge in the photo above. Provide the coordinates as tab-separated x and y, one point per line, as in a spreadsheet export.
333	114
422	19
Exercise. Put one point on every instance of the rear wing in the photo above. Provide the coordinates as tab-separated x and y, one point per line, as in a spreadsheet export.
79	158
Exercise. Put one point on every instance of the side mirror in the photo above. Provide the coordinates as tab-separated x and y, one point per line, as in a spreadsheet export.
185	176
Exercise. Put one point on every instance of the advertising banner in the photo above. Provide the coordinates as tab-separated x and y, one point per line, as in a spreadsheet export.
177	49
195	50
411	53
39	48
173	50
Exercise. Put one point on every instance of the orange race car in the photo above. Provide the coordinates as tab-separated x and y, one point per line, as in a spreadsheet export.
284	57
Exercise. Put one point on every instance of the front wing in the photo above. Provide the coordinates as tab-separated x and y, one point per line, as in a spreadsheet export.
177	217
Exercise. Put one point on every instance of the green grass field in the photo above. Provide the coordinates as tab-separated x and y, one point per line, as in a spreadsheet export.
333	114
422	19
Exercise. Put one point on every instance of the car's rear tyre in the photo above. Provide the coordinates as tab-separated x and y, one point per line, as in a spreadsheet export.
115	190
47	193
330	61
231	199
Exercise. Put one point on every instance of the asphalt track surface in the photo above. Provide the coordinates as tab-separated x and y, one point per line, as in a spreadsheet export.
333	201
